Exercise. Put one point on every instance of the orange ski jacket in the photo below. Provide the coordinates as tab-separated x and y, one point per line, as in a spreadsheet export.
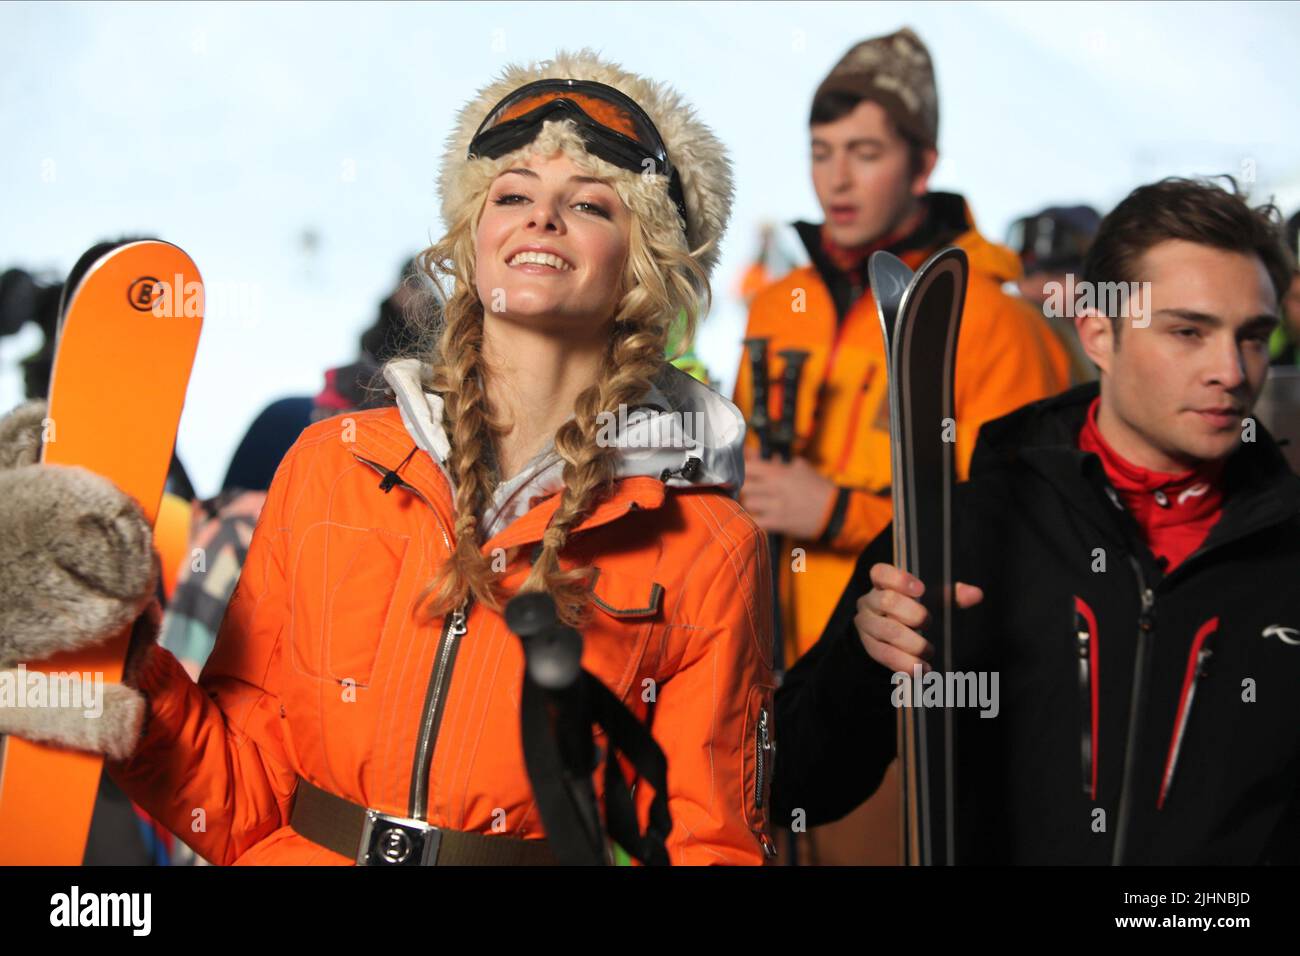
322	671
1006	357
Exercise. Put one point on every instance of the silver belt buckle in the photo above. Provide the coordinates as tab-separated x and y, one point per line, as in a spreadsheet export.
388	840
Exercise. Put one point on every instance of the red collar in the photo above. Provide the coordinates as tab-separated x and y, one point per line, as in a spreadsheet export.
852	258
1174	510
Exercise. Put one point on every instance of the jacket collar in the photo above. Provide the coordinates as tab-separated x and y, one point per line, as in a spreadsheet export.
1260	489
948	221
678	420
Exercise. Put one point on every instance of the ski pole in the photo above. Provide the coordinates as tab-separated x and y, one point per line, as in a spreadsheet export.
783	433
760	421
781	445
560	703
782	441
559	753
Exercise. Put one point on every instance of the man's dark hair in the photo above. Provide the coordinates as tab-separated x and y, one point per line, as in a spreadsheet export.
1194	210
835	105
1293	237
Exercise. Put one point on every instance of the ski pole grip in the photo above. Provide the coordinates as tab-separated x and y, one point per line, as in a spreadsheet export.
760	421
552	652
784	431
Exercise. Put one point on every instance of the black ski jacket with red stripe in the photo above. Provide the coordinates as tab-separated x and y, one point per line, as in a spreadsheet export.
1142	717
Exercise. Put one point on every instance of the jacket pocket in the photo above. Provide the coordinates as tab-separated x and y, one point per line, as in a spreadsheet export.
861	394
1086	654
627	608
624	597
758	762
1198	659
344	582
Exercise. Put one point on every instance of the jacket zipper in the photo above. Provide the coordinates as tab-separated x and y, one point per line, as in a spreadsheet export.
762	769
1085	637
1198	659
446	537
1145	636
841	323
764	744
855	412
454	628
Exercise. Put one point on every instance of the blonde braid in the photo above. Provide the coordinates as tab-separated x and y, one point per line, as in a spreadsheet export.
457	373
589	470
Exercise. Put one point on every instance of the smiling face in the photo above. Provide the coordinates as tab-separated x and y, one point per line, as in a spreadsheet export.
551	247
863	175
1175	392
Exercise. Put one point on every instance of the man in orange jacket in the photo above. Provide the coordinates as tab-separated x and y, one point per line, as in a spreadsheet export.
874	128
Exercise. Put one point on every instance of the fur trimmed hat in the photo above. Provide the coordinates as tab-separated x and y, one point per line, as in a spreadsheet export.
697	154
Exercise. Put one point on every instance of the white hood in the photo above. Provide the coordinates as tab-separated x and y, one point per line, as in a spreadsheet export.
679	419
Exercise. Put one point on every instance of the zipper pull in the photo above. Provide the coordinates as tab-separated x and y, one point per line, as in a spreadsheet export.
1082	642
391	477
1146	619
459	617
762	729
690	470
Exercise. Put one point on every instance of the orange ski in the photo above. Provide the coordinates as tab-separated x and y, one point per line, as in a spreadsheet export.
127	337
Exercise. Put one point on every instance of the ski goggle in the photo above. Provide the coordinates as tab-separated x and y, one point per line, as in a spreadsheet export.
611	125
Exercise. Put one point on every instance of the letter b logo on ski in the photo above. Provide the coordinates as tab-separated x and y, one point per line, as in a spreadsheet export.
142	293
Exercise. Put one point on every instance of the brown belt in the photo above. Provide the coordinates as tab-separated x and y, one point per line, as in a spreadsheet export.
381	839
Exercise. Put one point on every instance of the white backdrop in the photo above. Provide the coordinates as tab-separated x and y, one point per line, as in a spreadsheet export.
292	149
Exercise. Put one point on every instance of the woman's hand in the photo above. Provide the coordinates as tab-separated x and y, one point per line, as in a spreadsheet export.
890	612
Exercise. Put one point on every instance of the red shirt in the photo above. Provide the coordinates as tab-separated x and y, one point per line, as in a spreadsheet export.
1174	511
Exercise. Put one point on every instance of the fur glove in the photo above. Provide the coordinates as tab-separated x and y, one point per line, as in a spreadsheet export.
76	566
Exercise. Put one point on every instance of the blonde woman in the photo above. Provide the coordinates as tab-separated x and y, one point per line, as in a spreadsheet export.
362	703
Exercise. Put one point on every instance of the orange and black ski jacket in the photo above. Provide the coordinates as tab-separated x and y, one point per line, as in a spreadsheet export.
1006	356
322	670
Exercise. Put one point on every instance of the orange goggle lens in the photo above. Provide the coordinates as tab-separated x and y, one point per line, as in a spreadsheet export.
604	112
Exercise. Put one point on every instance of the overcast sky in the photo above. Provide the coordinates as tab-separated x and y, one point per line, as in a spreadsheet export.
292	149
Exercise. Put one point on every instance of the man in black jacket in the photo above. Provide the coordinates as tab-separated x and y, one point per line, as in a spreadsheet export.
1133	548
